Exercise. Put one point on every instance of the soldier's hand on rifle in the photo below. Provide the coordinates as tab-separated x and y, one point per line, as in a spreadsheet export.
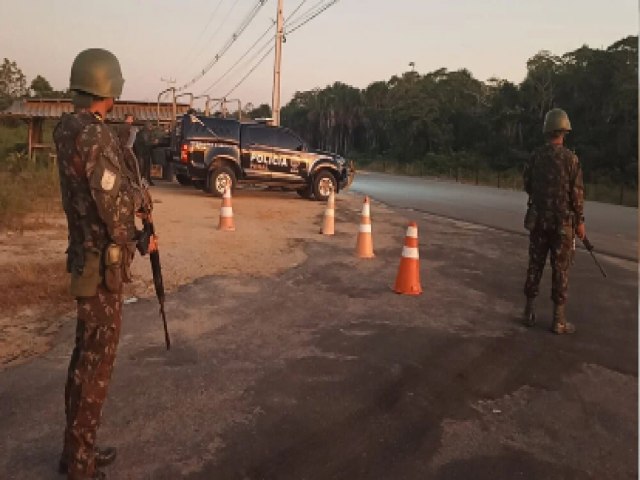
581	231
153	244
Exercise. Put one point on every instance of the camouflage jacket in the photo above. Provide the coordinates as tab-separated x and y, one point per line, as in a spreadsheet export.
553	180
98	196
143	143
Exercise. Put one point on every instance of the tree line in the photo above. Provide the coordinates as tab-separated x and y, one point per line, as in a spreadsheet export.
13	85
447	120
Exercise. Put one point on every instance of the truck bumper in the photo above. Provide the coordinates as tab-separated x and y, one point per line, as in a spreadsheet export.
180	169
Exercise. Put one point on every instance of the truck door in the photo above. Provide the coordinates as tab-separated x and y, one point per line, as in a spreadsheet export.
288	156
256	151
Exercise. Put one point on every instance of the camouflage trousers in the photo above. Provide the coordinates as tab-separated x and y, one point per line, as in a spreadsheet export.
97	334
560	246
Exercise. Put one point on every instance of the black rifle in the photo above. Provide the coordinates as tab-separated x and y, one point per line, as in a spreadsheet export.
148	232
589	246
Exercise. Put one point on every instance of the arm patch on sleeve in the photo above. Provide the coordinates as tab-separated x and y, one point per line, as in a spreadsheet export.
106	179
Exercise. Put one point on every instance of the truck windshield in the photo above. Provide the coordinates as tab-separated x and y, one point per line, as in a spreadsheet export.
219	128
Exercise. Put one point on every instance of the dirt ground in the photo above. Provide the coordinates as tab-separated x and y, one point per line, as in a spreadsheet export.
270	226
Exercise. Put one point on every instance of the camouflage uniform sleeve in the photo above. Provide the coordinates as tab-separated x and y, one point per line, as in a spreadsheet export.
577	189
100	150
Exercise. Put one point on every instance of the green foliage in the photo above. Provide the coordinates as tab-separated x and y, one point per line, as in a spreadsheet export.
13	138
449	121
13	83
262	111
41	87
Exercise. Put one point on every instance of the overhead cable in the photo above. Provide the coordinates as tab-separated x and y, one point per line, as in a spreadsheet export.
244	55
204	29
237	33
314	15
300	24
216	31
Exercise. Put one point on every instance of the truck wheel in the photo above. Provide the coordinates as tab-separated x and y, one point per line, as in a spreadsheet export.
183	179
323	183
304	192
219	178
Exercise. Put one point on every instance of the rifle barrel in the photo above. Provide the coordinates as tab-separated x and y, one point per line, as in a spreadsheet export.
167	340
589	246
598	264
156	269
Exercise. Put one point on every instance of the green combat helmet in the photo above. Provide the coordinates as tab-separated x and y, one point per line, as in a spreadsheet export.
556	120
97	72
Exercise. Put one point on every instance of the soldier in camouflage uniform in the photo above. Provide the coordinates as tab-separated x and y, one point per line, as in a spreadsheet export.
100	202
142	148
553	180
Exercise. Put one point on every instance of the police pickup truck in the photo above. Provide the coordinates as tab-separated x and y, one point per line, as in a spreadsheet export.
212	152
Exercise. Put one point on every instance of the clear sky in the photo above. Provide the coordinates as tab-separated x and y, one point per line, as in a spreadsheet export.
354	41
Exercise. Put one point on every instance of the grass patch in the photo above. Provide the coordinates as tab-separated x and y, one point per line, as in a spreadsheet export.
13	137
23	286
27	189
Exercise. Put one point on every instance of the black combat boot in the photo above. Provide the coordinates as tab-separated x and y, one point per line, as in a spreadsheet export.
530	312
104	456
560	324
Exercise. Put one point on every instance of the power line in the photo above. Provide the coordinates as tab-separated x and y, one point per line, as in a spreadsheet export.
244	55
314	15
204	29
242	58
295	10
217	30
249	72
237	33
245	22
298	26
306	13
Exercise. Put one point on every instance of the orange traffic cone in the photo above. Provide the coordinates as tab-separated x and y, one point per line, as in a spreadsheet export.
408	279
329	215
364	247
226	212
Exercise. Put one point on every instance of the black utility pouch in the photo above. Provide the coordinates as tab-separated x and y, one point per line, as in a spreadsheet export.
84	284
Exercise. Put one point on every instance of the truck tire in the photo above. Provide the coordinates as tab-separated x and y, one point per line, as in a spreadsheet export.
304	192
323	183
183	179
219	178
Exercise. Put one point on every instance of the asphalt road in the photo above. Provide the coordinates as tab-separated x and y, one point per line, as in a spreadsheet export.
323	373
611	228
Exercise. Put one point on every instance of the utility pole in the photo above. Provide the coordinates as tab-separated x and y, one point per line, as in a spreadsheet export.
169	81
275	104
